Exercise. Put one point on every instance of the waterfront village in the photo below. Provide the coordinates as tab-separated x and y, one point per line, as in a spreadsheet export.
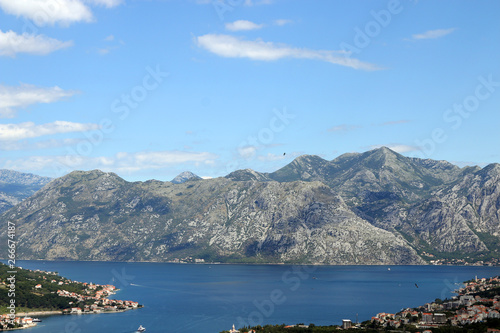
478	302
467	261
92	299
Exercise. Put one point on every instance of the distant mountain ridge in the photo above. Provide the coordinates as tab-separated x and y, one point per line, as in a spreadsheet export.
377	207
16	186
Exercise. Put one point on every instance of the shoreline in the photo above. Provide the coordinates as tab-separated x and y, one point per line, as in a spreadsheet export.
61	312
17	328
255	263
38	313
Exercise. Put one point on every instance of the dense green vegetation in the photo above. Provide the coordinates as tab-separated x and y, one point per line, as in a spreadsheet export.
28	297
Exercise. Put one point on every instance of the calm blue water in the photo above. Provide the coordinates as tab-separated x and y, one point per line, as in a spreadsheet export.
210	298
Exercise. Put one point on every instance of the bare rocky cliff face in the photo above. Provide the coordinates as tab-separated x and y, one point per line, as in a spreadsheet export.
378	207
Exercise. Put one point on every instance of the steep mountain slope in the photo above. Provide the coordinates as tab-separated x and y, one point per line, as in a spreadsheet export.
428	202
99	216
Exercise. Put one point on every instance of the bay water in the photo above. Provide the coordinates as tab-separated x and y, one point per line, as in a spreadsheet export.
212	297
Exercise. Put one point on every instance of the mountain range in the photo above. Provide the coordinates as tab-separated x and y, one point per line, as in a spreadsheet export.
376	207
16	186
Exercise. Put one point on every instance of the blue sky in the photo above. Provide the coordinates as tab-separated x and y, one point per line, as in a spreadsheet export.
151	88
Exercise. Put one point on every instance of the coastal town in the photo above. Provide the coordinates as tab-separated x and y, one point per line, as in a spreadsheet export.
465	261
91	298
477	302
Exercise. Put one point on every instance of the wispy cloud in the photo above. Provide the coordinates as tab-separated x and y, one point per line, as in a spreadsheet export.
30	130
247	152
233	47
106	50
344	128
12	98
111	44
121	163
159	159
243	25
432	34
12	43
12	145
282	22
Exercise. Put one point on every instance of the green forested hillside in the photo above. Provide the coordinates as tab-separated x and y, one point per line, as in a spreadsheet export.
26	296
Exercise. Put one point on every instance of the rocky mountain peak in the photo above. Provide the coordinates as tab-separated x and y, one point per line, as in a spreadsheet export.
380	157
304	167
184	177
246	174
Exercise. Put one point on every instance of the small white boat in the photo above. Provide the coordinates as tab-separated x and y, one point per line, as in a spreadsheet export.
36	320
141	329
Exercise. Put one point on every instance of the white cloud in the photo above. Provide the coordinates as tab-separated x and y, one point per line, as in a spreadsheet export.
282	22
11	43
30	130
48	12
232	47
431	34
243	25
12	98
109	38
247	151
